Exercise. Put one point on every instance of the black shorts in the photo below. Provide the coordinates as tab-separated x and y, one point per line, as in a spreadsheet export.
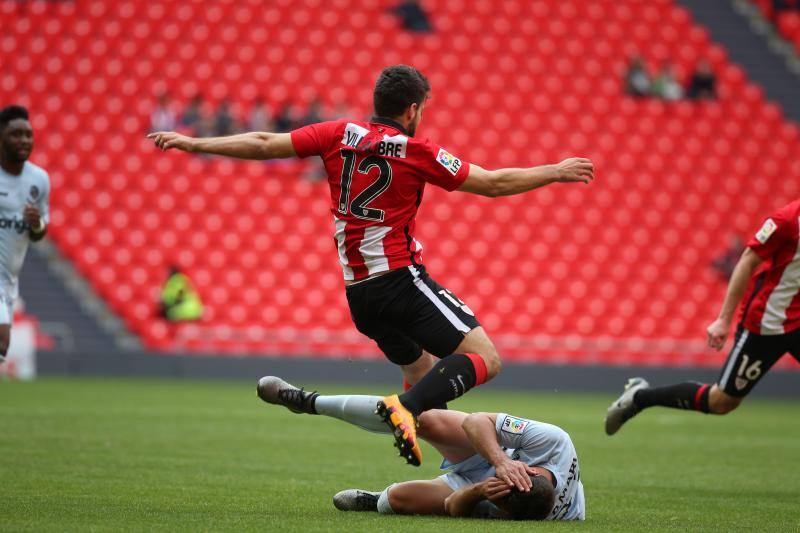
751	358
406	311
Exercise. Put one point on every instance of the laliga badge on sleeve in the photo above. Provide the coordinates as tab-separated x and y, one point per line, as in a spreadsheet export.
766	230
448	161
514	425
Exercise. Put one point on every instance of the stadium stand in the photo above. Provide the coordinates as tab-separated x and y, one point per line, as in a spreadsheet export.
618	272
786	20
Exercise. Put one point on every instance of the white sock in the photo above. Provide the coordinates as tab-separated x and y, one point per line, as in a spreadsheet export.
383	501
355	409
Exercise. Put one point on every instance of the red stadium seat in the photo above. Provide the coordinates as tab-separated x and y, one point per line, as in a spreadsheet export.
513	83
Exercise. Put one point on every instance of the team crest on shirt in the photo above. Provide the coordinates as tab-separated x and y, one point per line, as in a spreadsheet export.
448	161
766	230
514	425
34	192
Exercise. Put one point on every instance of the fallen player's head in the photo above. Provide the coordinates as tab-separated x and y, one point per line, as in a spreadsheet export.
535	504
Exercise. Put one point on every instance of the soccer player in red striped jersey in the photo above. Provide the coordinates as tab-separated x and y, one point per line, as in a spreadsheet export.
767	280
377	171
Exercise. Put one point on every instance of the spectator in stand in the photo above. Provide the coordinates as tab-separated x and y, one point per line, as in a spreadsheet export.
193	118
314	113
163	117
260	118
180	301
665	85
725	263
637	80
224	123
785	5
315	170
703	85
287	119
342	110
413	17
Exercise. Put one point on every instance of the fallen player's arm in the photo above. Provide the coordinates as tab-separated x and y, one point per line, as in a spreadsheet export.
463	501
510	181
254	145
480	429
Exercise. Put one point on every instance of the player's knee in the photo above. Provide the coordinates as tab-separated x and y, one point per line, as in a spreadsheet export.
493	363
721	403
400	500
4	341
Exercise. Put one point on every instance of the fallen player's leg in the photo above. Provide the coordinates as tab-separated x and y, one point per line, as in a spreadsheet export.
356	500
274	390
422	497
440	428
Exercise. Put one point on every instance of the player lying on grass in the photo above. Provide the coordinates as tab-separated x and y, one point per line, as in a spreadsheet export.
767	279
377	172
500	466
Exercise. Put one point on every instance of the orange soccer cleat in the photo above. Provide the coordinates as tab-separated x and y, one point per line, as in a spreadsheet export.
404	427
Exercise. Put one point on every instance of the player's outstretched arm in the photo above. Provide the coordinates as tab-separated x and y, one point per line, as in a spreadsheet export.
510	181
253	145
718	330
480	429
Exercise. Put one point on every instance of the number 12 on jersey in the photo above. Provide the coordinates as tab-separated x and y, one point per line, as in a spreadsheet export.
359	206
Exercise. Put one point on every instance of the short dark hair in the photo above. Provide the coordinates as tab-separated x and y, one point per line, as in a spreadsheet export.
398	87
535	504
12	112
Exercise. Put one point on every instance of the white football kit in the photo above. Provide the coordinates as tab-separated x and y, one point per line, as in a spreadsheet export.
32	186
536	444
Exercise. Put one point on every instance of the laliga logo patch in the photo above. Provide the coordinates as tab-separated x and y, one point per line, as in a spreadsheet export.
448	161
766	230
514	425
740	383
34	192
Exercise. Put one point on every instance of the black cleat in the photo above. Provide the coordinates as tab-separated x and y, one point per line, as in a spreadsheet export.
356	500
274	390
623	408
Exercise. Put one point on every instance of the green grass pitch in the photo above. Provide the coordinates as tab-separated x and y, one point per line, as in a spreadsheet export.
110	455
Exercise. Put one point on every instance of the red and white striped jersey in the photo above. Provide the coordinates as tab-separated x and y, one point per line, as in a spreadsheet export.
772	305
377	174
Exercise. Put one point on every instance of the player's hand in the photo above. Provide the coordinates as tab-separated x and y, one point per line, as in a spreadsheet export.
718	333
515	473
495	489
575	170
32	216
169	139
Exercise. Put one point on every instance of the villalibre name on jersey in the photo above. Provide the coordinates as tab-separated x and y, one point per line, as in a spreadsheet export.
394	146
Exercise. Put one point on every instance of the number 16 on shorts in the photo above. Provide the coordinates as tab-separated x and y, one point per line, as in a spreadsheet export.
747	372
456	301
